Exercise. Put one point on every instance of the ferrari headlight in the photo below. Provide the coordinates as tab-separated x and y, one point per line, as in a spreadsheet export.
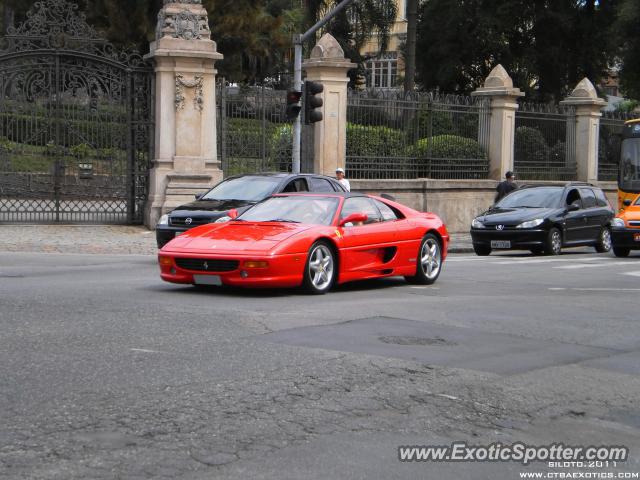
164	220
617	223
226	218
531	223
477	224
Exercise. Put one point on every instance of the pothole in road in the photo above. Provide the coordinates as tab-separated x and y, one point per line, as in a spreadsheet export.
394	340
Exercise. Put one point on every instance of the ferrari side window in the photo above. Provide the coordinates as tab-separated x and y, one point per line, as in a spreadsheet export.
361	205
387	214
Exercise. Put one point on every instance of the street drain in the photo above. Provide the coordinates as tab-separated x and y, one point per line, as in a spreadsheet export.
415	341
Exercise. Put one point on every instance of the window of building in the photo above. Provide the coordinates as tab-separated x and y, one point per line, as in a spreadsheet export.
382	72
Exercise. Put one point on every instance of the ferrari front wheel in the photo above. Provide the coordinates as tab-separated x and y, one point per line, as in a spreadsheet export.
320	269
429	261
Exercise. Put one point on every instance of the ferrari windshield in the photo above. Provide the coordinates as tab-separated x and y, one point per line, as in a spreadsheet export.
540	197
248	188
294	209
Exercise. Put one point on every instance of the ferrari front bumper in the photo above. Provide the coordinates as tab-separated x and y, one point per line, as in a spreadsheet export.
271	271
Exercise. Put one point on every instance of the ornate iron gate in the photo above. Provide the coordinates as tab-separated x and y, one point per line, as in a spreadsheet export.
76	122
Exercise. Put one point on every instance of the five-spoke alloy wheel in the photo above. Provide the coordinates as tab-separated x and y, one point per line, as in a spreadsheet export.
429	261
320	270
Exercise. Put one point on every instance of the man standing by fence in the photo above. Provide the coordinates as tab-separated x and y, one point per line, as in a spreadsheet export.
506	187
343	181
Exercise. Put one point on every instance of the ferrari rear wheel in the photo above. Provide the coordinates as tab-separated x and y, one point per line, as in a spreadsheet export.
320	270
429	261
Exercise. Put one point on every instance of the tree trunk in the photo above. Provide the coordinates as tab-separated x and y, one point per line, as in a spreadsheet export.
410	57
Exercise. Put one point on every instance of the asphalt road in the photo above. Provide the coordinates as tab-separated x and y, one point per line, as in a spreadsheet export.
107	372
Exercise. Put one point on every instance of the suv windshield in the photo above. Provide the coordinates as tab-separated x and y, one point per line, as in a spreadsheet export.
250	189
295	209
539	197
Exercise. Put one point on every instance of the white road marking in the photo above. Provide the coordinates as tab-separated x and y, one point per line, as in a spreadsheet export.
633	274
602	289
425	287
586	265
144	350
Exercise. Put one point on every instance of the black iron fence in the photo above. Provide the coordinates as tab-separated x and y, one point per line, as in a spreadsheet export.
393	135
253	133
610	139
545	142
76	122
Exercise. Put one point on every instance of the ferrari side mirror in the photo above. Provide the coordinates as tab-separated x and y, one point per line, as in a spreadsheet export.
233	213
354	218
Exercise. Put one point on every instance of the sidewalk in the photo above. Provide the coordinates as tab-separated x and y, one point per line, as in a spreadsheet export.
110	239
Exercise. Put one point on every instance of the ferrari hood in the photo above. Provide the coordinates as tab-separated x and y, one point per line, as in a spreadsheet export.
234	237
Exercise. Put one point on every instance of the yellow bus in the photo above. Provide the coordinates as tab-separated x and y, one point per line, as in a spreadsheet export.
629	173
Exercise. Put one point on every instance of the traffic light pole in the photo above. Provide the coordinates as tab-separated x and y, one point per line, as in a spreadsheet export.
297	86
297	76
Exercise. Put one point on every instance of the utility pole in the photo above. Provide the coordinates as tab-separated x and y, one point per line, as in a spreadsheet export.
298	40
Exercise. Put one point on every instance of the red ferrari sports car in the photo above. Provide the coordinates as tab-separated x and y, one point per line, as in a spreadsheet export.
314	240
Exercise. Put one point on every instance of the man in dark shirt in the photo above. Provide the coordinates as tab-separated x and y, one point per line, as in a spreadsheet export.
506	187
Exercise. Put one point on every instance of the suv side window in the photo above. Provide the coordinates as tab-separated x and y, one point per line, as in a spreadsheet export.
588	198
574	197
317	184
296	185
601	199
360	204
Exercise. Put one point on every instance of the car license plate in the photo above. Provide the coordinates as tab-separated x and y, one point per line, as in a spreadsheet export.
207	280
500	244
636	237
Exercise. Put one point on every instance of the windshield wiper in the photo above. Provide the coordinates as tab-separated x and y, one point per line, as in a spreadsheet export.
286	220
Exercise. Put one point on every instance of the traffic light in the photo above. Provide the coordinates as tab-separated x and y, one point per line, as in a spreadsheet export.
293	104
312	102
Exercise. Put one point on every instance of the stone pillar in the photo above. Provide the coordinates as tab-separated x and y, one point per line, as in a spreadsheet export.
185	160
498	87
588	112
327	65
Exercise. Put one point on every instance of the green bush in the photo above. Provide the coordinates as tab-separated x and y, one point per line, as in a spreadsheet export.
280	148
530	147
447	146
375	142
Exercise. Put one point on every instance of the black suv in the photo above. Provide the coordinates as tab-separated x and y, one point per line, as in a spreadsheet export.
544	219
238	192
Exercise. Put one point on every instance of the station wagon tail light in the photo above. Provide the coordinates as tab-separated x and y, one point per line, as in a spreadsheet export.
256	264
165	261
531	223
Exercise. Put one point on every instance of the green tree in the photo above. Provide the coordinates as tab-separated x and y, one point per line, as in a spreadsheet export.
361	21
628	26
546	46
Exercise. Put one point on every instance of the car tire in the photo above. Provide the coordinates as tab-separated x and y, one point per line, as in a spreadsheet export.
553	245
320	269
482	250
428	261
604	241
621	251
537	250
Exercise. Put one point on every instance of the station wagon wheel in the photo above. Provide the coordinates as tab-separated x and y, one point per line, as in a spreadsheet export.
428	262
604	241
319	271
554	242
